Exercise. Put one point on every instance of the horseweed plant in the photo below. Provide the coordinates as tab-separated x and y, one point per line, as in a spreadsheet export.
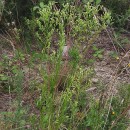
63	102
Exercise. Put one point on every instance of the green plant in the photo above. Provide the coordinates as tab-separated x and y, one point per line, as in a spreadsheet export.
62	102
97	52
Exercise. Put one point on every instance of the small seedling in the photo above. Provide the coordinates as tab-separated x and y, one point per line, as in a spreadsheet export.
98	53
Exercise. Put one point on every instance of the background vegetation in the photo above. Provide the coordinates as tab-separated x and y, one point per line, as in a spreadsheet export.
47	71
